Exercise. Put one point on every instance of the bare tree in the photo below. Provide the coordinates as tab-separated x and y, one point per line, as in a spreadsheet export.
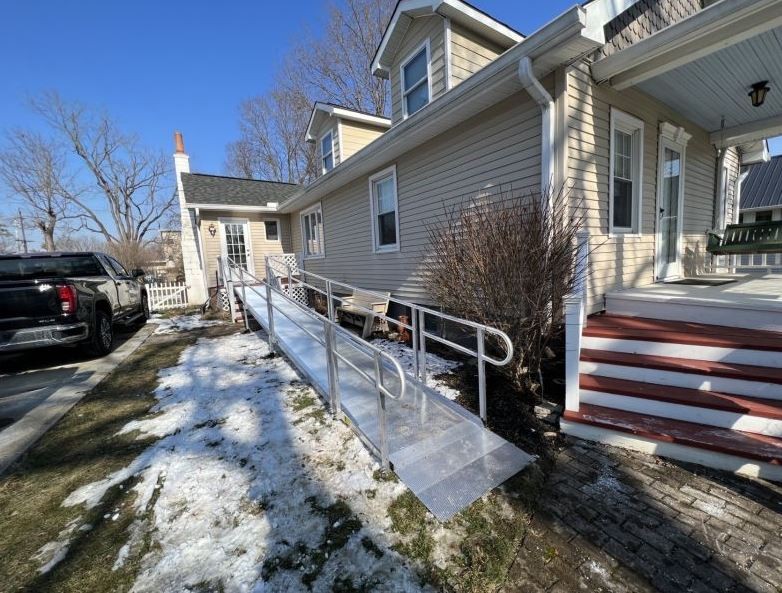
34	169
337	65
271	144
508	261
334	66
129	180
7	243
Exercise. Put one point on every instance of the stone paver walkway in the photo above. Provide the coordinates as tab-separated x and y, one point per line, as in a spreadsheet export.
616	520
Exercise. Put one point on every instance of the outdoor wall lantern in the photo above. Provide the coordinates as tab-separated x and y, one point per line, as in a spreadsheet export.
212	229
759	92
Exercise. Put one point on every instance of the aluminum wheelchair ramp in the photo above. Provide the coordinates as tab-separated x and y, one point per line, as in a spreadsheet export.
438	449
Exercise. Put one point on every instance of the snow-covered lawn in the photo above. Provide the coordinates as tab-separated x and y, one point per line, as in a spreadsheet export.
180	323
252	486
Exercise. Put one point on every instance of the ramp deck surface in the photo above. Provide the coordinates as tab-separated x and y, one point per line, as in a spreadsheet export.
438	449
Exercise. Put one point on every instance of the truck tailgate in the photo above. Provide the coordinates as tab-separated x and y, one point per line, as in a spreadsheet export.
28	304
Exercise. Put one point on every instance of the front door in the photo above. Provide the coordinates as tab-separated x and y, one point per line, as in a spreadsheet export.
670	196
236	242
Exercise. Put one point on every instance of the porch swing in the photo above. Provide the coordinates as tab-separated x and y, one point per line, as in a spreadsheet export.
747	238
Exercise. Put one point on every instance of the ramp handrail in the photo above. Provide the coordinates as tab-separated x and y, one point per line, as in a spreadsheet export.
331	331
417	325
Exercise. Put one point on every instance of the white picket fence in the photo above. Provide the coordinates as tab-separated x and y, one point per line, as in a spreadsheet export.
166	295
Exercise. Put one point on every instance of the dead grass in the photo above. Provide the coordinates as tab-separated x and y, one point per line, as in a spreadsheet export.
82	448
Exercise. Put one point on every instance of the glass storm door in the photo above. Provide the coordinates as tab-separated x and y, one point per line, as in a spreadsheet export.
669	212
236	243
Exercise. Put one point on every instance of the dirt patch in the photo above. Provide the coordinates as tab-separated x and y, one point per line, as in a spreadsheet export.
83	447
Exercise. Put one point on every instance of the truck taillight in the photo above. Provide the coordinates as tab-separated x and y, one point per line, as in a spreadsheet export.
67	296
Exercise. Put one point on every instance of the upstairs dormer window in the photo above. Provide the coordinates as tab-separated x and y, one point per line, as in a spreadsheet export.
327	152
415	81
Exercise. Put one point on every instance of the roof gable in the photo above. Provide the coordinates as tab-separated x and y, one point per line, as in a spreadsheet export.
458	11
322	111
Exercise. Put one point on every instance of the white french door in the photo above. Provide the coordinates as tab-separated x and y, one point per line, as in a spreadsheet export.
670	202
235	242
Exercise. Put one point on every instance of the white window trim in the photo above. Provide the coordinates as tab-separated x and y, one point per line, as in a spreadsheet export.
302	215
448	53
279	229
376	177
330	134
405	62
624	122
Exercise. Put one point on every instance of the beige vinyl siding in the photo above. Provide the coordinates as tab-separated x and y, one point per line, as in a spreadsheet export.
355	136
499	148
421	29
260	246
469	53
624	261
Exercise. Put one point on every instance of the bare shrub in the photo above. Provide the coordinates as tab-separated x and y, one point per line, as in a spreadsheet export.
508	262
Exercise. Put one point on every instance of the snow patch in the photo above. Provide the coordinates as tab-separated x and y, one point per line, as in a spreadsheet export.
242	479
181	323
435	365
52	553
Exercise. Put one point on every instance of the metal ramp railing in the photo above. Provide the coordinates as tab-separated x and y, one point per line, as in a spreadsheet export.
441	451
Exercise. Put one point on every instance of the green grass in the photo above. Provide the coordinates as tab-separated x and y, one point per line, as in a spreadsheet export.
82	448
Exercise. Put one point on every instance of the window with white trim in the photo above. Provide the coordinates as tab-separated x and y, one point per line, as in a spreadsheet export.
385	210
626	163
272	228
312	232
327	152
414	75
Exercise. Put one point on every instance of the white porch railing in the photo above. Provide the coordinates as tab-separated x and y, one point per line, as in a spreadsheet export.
757	262
166	295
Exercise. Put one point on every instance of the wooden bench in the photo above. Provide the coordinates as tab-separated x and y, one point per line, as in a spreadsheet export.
748	237
355	309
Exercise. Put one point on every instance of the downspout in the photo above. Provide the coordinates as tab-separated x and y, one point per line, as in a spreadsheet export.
542	97
719	207
737	195
201	254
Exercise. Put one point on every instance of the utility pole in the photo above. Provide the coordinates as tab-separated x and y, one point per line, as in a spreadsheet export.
21	229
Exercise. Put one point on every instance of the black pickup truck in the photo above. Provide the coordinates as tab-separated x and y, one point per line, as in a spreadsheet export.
49	299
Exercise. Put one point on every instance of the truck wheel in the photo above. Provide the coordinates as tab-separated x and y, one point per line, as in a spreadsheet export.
102	340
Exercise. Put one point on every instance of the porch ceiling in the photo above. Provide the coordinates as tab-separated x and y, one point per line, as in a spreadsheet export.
704	66
717	85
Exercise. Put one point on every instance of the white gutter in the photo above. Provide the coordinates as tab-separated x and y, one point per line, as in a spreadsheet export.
270	207
543	98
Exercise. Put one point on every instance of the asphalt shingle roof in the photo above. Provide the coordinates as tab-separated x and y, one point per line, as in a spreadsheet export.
234	191
763	186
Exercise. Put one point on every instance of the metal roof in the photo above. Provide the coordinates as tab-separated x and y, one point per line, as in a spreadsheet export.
763	186
234	191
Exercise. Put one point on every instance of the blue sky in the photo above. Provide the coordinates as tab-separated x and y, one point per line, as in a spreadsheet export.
164	65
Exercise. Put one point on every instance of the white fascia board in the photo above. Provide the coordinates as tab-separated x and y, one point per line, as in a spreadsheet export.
343	113
455	9
421	125
271	207
716	27
749	132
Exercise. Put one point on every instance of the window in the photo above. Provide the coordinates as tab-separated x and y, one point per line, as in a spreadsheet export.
415	81
764	216
312	232
384	207
272	230
327	152
118	268
625	187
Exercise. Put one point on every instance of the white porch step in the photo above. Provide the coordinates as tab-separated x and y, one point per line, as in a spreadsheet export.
751	455
698	310
760	382
747	414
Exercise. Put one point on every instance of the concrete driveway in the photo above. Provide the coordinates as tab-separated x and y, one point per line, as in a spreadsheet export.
37	387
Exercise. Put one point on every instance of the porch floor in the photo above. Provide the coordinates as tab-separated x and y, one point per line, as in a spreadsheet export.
747	291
